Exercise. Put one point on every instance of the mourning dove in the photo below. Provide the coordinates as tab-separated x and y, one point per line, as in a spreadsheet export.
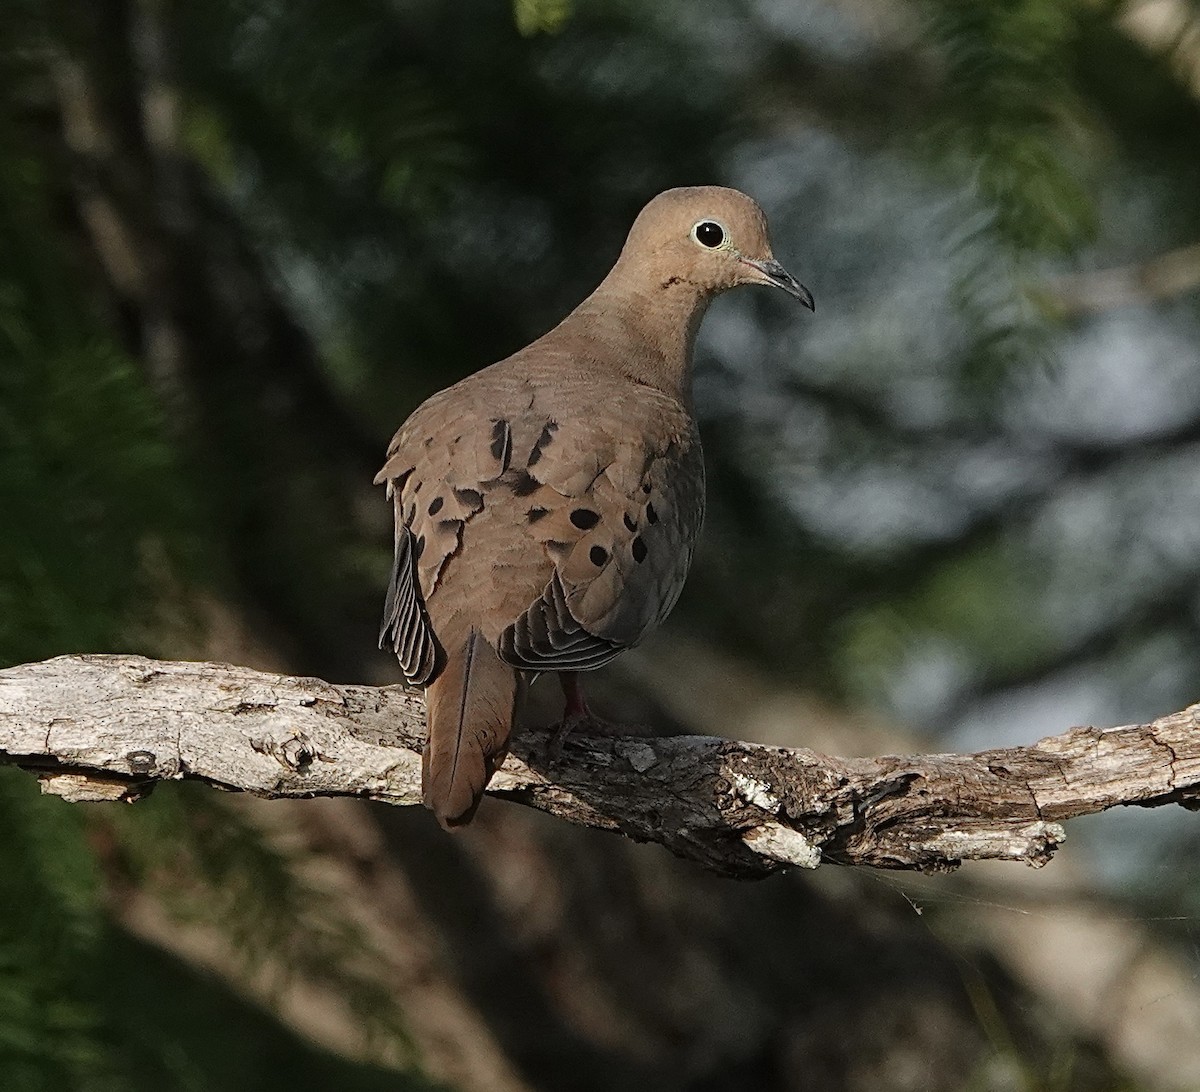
547	506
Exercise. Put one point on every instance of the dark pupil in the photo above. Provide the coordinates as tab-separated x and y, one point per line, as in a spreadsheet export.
710	234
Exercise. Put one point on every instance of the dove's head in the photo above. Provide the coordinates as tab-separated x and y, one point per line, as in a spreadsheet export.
710	238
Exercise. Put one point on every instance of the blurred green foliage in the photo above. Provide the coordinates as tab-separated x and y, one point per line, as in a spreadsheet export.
210	866
339	207
88	477
53	924
533	16
85	1007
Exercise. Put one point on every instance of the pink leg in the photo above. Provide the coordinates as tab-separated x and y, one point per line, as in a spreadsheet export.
573	691
575	712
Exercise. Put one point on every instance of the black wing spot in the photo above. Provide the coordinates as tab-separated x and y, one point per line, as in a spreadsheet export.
646	488
543	441
501	443
598	555
630	522
651	514
639	550
584	518
524	483
419	549
534	514
435	505
470	498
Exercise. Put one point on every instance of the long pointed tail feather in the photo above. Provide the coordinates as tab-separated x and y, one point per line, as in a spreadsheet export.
470	708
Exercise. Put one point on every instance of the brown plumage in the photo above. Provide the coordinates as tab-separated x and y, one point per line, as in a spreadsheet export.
547	506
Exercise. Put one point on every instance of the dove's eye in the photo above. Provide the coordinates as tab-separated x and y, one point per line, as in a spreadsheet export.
709	233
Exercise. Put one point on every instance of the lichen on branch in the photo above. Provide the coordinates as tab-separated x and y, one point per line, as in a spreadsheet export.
110	727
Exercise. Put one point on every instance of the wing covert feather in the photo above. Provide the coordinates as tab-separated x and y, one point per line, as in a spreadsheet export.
568	538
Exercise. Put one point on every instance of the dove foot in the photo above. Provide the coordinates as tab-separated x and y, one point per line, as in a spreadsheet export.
576	714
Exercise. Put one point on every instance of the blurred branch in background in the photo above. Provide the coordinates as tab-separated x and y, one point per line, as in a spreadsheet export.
239	240
1163	278
1170	28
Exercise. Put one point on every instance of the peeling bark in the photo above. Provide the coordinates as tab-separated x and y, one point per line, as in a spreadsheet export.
109	727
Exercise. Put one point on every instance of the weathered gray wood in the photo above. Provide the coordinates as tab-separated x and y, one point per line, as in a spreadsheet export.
108	727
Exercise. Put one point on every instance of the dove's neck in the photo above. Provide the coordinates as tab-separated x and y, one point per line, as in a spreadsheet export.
648	325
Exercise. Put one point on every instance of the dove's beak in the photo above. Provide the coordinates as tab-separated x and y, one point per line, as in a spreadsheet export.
773	273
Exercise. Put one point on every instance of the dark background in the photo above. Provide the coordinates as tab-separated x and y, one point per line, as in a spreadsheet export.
958	506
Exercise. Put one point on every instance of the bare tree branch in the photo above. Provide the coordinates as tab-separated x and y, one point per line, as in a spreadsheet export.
108	727
1164	277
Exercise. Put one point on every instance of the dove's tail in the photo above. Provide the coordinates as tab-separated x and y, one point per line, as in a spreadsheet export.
470	708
